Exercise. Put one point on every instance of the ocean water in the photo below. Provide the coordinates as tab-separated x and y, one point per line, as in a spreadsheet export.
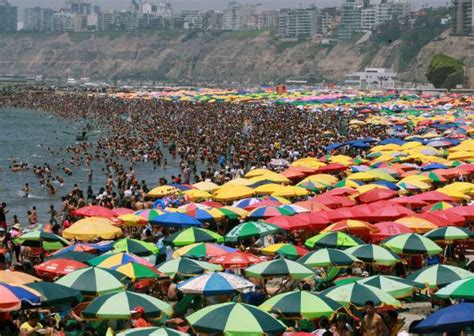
30	136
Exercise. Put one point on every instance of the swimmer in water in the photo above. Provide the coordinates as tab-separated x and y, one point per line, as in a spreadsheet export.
26	190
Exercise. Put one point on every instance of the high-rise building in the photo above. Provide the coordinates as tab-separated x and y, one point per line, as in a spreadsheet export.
351	19
463	17
296	23
63	22
241	16
8	17
82	7
37	19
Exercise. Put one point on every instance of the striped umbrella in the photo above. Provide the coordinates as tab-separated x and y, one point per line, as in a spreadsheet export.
338	240
93	281
358	294
81	247
203	215
327	257
411	243
149	214
460	289
119	306
234	319
186	267
375	254
76	256
439	275
192	236
232	212
110	260
244	203
46	240
152	331
301	304
397	287
216	283
202	250
135	246
250	229
450	233
12	296
289	251
280	267
56	294
136	271
269	211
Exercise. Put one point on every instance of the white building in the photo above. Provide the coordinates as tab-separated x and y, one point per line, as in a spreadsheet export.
241	17
372	78
295	23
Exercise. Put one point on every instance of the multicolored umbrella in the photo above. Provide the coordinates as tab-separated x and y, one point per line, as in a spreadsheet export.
202	250
450	233
76	256
93	281
397	287
175	219
136	271
119	306
135	246
411	243
46	240
327	257
352	226
152	331
149	214
12	296
269	211
358	294
227	319
250	229
57	267
16	278
439	275
80	247
374	254
301	304
460	289
246	202
438	206
236	260
216	283
186	267
233	212
280	267
289	251
111	260
56	294
193	236
338	240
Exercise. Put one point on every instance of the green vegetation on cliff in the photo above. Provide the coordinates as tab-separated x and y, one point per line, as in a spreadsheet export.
445	72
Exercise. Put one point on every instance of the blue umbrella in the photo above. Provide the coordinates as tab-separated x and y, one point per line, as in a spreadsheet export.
389	141
217	283
175	219
358	144
181	187
389	185
333	146
452	318
432	166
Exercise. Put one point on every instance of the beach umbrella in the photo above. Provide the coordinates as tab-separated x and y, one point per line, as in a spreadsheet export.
16	278
311	206
55	294
110	260
416	224
232	193
439	275
450	319
186	267
175	219
290	192
375	195
215	283
269	211
236	259
387	230
58	267
79	248
94	211
93	281
288	223
327	257
206	186
438	206
137	247
12	297
76	256
136	271
411	243
250	229
350	225
460	289
119	306
92	228
450	233
162	191
202	250
232	212
152	331
234	319
301	304
132	220
46	240
122	211
280	267
375	254
203	215
338	240
358	294
246	202
192	236
149	214
397	287
289	251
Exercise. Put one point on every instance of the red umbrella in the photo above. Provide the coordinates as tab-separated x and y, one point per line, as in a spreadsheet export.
433	197
331	168
333	202
94	211
388	229
467	168
298	172
466	211
450	216
340	192
212	204
340	214
377	194
311	206
236	260
122	211
262	204
409	201
288	223
391	213
52	268
317	220
429	216
363	212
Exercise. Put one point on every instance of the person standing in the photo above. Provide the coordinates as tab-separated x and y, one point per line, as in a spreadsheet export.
3	215
372	323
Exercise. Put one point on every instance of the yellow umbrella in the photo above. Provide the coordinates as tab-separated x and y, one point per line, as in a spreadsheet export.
386	148
466	145
321	178
258	172
418	225
162	191
16	278
308	162
206	186
411	145
91	228
342	159
461	155
367	187
268	189
457	195
232	193
277	178
197	195
291	191
237	182
132	219
462	187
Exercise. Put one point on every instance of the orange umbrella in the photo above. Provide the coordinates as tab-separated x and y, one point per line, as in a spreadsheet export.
352	226
416	224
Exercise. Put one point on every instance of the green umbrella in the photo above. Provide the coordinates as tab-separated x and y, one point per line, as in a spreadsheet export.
137	247
439	275
56	294
280	267
186	267
375	254
38	238
461	289
301	304
411	243
347	280
250	229
327	257
119	306
450	233
358	294
137	271
93	281
152	331
338	240
192	236
397	287
234	319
